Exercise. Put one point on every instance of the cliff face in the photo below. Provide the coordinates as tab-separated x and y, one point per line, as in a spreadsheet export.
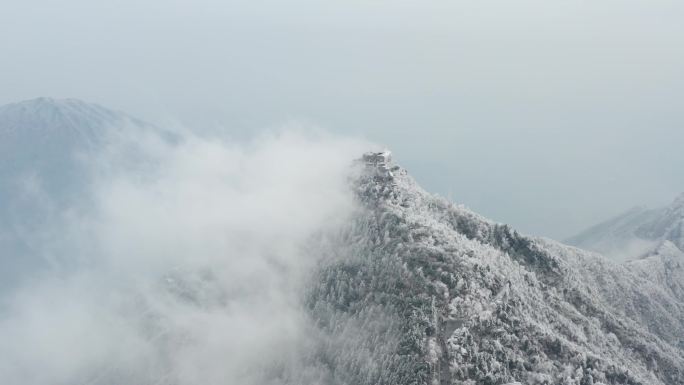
425	292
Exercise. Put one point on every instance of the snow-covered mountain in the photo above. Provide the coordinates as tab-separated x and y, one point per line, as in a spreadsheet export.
60	116
411	289
45	145
636	233
468	301
42	139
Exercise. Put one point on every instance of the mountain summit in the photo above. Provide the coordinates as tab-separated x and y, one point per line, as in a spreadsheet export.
410	289
58	115
45	132
465	300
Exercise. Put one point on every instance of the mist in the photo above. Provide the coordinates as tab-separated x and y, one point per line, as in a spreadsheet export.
182	200
182	264
551	117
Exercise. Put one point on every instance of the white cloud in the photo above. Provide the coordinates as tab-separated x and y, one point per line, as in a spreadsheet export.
183	267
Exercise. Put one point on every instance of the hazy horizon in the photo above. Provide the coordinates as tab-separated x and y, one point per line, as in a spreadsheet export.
550	117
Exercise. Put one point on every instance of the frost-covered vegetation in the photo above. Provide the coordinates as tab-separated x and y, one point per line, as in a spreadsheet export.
227	266
420	291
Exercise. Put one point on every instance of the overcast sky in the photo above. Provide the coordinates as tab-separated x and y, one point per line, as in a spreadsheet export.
549	115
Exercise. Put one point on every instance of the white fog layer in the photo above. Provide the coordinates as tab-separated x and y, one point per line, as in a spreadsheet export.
138	255
183	264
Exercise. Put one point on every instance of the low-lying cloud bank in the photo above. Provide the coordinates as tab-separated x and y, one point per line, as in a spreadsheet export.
182	265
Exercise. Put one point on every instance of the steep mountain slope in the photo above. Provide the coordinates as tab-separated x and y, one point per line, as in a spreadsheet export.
636	232
424	292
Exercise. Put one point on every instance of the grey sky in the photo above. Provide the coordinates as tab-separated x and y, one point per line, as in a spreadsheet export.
549	115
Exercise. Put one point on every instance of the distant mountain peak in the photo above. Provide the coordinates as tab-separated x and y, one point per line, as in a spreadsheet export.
42	136
53	103
636	232
44	100
50	114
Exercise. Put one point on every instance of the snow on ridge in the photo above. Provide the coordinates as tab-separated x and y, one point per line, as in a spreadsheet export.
489	305
46	115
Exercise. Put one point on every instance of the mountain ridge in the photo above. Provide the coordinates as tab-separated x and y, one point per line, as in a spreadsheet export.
54	114
635	233
480	303
414	289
